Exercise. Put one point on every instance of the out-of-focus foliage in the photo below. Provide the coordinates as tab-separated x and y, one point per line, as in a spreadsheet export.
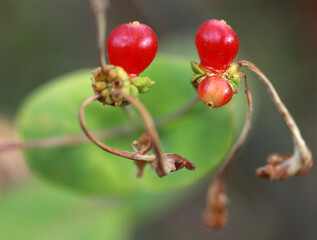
36	211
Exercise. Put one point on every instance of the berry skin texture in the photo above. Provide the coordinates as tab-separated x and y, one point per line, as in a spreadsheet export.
132	46
217	45
214	91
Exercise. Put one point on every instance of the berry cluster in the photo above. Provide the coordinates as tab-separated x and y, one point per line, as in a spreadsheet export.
216	77
131	48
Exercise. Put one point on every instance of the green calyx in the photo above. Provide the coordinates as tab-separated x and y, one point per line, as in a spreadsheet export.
199	74
232	75
112	78
196	69
143	84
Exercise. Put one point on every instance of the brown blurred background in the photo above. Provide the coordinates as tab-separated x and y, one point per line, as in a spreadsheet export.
41	39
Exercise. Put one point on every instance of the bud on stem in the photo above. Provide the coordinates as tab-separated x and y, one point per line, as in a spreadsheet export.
114	78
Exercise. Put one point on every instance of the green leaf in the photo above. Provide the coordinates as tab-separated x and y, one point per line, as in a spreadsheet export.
36	211
203	136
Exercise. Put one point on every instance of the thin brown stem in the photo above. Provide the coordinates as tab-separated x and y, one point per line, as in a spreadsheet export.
162	166
99	8
69	140
215	214
66	140
243	136
281	167
125	154
161	121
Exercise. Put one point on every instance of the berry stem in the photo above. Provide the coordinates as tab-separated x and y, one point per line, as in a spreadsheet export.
280	167
215	214
125	154
243	136
99	8
162	168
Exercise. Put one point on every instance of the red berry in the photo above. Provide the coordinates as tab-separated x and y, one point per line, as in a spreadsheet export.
217	45
132	46
215	91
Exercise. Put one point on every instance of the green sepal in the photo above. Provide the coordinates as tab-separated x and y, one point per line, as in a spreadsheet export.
234	67
121	74
195	77
235	81
99	86
233	86
236	77
134	92
112	74
143	84
196	68
140	82
108	100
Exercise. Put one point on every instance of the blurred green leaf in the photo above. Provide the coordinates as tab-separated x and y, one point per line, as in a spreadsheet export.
203	136
36	211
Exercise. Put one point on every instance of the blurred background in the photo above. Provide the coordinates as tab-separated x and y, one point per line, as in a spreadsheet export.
40	40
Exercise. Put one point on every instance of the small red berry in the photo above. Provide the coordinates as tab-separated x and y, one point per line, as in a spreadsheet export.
215	91
132	46
217	45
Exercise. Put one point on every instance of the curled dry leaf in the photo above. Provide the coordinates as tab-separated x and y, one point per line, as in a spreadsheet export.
175	162
215	214
284	166
281	167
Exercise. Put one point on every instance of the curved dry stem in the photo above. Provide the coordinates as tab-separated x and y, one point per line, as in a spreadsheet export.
243	136
215	214
125	154
162	167
280	167
99	8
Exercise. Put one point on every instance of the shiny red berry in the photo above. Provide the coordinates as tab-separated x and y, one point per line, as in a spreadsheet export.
215	91
132	46
217	45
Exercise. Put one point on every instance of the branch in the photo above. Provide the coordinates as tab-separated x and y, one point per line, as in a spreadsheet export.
99	8
243	136
66	140
215	214
125	154
281	167
69	140
162	165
